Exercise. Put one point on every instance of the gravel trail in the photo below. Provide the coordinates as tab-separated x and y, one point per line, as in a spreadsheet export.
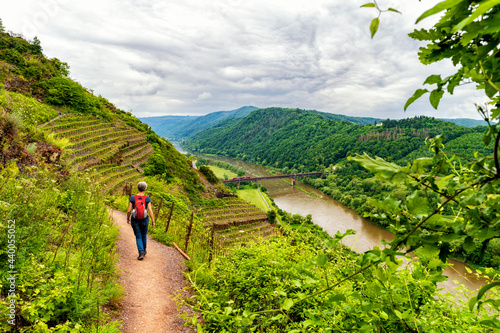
150	284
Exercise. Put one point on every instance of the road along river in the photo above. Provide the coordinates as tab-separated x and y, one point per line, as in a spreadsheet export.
333	216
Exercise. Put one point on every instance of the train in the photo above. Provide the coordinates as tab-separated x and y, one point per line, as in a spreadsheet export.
241	178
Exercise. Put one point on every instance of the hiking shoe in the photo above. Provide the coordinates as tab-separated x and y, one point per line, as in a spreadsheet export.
145	252
141	256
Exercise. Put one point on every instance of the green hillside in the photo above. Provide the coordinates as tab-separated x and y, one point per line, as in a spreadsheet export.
67	154
466	122
181	127
167	126
178	128
306	141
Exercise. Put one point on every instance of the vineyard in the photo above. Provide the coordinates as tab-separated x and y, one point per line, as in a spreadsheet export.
235	221
112	151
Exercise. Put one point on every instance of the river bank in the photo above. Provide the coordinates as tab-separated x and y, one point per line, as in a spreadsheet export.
333	216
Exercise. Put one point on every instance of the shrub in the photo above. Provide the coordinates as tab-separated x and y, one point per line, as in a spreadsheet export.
271	216
209	174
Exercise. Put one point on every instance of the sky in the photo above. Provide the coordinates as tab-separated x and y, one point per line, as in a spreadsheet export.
193	57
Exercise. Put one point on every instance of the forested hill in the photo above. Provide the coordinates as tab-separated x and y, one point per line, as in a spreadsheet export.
179	127
305	141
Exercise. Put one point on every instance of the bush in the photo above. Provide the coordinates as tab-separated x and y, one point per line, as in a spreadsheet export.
209	174
157	165
63	91
12	57
271	216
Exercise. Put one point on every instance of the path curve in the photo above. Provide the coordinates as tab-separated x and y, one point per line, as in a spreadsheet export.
149	284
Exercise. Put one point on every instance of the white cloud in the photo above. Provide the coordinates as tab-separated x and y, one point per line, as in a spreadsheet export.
193	57
204	95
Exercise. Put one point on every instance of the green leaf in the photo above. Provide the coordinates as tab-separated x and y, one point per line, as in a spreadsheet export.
487	287
287	304
365	328
321	260
438	8
481	9
472	302
415	96
379	167
420	163
370	257
398	314
337	298
495	113
487	136
384	315
394	10
495	323
489	89
433	79
469	244
435	97
416	204
369	4
374	26
428	251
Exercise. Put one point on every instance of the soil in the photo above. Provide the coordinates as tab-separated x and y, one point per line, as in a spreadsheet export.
150	284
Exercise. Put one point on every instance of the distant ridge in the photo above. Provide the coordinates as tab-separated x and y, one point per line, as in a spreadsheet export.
180	127
177	128
466	122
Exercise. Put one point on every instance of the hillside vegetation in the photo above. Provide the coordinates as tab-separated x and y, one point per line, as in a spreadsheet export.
179	127
64	150
292	139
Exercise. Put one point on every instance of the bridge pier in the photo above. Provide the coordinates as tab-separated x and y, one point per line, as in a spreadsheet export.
239	185
293	181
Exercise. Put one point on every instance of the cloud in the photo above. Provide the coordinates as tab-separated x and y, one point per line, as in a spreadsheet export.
204	95
194	57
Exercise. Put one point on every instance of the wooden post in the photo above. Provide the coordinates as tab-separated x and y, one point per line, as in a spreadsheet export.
211	248
157	215
189	232
170	216
182	252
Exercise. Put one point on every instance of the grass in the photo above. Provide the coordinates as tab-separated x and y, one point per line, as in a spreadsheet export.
220	172
253	196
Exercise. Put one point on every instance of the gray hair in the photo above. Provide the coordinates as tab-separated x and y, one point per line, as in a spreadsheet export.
142	186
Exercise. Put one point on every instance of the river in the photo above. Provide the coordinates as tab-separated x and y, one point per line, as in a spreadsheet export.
333	216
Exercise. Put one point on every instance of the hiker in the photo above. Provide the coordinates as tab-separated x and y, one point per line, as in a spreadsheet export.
139	208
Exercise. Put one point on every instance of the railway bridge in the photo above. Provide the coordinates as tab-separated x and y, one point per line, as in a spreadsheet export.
293	177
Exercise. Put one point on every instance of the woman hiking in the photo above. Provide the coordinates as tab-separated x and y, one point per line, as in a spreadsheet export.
139	208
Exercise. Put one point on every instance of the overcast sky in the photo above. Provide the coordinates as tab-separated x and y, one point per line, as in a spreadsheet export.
194	57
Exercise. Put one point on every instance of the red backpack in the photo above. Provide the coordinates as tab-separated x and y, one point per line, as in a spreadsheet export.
140	211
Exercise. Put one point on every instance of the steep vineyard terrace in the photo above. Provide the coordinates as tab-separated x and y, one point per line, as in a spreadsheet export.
112	151
235	222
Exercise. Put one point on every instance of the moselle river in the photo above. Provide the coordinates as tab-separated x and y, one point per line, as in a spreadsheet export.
333	216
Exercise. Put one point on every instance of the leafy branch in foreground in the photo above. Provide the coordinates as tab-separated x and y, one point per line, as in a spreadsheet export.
468	33
376	21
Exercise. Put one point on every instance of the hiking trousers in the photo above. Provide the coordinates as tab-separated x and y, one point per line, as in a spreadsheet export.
140	228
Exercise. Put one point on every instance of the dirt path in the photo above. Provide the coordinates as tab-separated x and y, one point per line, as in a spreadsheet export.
149	284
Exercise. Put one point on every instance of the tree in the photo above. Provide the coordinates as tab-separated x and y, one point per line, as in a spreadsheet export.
450	203
36	47
2	28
